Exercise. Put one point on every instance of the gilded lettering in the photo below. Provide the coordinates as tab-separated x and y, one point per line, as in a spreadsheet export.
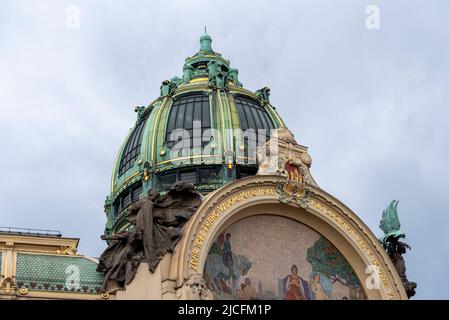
214	215
199	243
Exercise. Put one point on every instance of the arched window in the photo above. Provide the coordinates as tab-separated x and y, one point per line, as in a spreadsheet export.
202	176
252	115
255	123
132	148
127	197
184	111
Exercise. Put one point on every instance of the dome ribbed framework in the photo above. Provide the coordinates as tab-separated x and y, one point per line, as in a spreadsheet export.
209	106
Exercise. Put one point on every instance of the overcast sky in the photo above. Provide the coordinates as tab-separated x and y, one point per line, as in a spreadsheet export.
371	104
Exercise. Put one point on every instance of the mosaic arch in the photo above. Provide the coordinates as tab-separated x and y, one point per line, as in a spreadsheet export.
274	257
263	195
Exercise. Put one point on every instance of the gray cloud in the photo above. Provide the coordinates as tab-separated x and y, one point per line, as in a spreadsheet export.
371	105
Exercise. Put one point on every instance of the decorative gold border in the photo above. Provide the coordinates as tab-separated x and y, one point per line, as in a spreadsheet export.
196	80
156	124
189	157
223	119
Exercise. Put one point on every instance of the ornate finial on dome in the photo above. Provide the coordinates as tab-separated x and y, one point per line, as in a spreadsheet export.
206	41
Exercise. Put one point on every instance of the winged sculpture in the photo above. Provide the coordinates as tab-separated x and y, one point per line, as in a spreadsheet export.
390	224
391	227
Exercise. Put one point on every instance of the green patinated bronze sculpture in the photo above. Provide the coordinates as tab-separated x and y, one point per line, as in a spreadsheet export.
391	226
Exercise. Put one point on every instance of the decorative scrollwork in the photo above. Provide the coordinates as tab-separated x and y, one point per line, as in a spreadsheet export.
67	250
293	192
8	285
195	289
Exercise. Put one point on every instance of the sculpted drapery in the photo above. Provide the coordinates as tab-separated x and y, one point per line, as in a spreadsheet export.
157	223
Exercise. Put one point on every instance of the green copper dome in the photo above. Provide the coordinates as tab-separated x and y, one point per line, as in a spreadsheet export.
196	130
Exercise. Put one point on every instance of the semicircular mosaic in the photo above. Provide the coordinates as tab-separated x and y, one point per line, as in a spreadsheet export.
271	257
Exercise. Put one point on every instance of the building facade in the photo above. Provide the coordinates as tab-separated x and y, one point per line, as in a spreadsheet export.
39	264
260	226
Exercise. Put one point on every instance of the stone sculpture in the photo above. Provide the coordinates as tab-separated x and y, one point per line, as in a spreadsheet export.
157	225
390	225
